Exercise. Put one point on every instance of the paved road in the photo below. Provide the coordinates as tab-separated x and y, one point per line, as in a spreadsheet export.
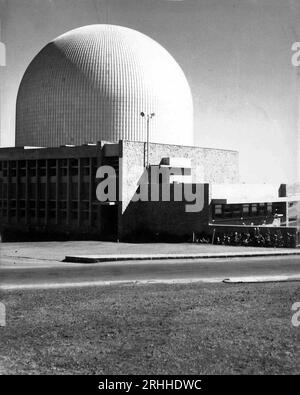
152	270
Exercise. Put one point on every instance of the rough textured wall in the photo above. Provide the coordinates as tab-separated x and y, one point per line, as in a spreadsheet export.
208	165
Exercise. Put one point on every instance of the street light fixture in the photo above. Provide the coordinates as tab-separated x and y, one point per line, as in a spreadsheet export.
149	116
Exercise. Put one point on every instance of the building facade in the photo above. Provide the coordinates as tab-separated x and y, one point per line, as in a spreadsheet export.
52	191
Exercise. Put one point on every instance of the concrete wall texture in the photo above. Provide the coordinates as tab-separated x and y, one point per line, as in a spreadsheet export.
208	165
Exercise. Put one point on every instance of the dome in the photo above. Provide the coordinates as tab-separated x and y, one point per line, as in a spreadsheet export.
92	83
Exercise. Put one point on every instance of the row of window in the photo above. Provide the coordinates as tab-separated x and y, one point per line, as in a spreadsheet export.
39	190
39	214
38	167
41	204
246	210
42	163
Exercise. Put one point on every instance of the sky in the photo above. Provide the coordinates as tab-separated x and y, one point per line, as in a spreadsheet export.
236	55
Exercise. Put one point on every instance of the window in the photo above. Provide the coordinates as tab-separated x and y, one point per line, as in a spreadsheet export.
42	171
85	206
74	171
52	214
74	215
22	190
32	168
22	168
63	216
32	172
236	211
32	214
261	208
52	171
12	213
246	209
86	171
74	163
13	169
85	215
63	190
32	191
52	191
42	168
13	190
227	212
74	191
254	209
63	172
62	205
278	208
218	210
85	188
52	205
42	191
4	169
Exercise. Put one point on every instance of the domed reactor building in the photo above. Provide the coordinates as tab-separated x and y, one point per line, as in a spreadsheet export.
92	83
103	111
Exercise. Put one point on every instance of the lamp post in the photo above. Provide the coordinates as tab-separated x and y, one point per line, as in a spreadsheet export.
149	116
2	64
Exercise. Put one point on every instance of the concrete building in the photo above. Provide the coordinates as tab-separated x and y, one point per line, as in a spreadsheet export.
53	190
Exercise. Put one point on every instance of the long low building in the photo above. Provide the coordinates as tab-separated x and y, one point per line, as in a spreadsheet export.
53	190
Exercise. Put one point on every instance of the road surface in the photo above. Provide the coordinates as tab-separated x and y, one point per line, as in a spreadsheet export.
202	270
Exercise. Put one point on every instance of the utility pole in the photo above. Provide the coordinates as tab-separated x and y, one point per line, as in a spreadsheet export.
149	116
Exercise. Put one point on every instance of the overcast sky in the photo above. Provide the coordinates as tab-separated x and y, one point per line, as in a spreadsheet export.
236	55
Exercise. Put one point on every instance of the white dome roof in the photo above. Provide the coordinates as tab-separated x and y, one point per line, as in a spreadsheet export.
93	82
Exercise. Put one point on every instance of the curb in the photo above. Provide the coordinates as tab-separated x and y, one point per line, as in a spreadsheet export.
138	257
261	279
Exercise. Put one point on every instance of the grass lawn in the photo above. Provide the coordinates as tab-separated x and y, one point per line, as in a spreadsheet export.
152	329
